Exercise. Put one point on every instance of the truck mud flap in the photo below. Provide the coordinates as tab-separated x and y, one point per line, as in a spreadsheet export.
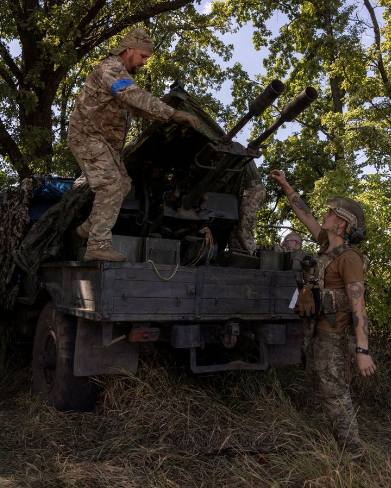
99	351
231	366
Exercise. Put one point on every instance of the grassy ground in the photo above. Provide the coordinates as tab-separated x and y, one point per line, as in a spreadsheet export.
167	428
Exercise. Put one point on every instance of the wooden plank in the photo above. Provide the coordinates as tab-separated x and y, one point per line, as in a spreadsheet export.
171	305
230	290
287	278
108	280
183	275
284	292
198	293
85	274
272	303
236	276
282	307
71	264
235	306
161	289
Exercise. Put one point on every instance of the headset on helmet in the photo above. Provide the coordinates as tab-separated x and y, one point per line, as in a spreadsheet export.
352	212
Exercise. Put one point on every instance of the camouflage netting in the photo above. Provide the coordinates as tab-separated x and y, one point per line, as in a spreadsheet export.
14	222
45	239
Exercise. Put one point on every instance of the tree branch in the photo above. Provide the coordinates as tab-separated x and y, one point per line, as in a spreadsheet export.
376	30
9	146
127	21
316	128
378	109
305	236
4	53
91	14
8	78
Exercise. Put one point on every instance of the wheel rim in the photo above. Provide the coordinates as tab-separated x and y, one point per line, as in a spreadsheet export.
47	360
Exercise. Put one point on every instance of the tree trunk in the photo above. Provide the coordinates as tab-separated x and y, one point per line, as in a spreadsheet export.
336	92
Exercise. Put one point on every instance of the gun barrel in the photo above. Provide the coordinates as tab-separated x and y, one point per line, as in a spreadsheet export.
257	107
289	113
267	97
299	104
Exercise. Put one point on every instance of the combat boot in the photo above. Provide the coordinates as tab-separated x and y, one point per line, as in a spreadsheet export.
104	255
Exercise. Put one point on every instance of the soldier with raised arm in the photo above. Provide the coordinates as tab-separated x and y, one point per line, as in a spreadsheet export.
340	335
97	132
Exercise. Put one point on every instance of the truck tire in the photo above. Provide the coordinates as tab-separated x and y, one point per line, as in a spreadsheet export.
53	354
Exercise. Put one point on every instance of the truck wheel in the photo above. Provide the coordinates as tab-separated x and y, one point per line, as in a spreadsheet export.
53	354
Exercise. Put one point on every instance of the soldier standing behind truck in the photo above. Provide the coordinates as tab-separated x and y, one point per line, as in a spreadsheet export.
292	241
341	328
97	133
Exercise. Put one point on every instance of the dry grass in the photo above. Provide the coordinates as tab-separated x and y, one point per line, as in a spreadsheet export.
166	428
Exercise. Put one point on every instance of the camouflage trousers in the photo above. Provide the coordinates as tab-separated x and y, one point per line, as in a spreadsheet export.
242	235
328	373
107	178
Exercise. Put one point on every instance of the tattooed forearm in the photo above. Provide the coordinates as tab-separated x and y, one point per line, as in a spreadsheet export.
301	205
355	290
355	318
365	326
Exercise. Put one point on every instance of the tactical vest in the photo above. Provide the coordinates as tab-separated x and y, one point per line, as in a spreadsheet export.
333	300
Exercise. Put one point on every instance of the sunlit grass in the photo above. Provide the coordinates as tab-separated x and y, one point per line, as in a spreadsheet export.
168	428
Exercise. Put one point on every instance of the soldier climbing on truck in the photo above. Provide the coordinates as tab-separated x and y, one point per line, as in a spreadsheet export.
97	132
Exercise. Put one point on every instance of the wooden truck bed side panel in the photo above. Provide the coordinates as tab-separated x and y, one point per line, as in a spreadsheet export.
135	292
141	292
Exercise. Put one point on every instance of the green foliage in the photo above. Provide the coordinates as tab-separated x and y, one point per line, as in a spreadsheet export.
8	177
60	42
375	196
323	44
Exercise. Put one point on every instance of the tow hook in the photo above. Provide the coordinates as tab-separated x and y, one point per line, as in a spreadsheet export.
229	334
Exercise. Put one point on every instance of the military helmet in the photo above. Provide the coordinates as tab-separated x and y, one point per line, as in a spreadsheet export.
352	212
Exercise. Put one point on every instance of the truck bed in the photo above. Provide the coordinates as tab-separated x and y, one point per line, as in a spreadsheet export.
107	291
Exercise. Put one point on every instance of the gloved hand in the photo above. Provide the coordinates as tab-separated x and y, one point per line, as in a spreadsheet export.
305	304
186	119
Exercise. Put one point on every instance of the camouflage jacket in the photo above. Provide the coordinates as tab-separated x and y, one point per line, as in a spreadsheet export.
106	103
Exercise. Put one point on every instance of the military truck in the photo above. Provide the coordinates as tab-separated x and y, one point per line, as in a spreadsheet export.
183	283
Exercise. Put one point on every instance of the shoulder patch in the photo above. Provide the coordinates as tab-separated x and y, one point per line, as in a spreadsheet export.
119	84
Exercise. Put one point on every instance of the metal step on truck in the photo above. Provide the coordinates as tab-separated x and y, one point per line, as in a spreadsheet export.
184	283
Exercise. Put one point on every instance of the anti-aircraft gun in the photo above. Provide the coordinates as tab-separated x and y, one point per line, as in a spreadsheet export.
198	179
184	283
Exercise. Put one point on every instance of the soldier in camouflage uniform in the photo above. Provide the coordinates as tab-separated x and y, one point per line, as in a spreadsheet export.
341	330
253	197
97	132
242	236
292	241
